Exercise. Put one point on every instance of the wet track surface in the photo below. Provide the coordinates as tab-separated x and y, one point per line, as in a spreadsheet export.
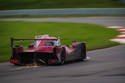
105	66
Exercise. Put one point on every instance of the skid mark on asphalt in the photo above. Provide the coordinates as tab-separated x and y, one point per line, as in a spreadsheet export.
120	38
119	74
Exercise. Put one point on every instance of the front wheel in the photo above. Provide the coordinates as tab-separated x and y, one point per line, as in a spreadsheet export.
83	52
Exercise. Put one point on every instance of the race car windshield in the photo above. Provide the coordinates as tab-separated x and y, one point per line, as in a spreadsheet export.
49	43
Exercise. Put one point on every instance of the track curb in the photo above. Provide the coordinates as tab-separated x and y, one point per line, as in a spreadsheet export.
120	38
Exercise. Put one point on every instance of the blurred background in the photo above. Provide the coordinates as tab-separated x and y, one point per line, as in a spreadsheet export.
40	4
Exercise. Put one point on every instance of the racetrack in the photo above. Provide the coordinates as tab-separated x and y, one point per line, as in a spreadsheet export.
65	11
107	21
105	65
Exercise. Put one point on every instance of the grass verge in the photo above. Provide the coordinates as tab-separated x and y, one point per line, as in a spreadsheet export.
40	4
95	36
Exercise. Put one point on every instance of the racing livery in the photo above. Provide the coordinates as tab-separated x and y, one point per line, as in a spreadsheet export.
45	49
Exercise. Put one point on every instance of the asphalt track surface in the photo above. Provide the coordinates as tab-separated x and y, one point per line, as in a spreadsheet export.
107	21
105	66
65	11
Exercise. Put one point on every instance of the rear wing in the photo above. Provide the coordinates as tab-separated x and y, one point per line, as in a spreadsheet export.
23	39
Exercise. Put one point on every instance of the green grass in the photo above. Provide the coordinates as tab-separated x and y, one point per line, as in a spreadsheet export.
95	36
38	4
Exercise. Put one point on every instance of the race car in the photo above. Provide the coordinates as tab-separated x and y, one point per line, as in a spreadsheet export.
44	49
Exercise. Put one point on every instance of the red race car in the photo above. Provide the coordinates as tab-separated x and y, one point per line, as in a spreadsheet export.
45	49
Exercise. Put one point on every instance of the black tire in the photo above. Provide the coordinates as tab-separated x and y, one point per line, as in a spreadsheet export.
83	51
63	56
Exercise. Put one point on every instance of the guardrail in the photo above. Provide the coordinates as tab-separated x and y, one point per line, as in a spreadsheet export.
65	11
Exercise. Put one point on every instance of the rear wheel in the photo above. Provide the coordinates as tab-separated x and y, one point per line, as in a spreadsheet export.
62	56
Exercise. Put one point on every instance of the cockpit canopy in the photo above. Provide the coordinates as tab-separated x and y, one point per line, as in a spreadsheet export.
47	41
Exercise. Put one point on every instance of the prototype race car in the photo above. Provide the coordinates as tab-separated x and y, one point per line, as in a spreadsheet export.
45	49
